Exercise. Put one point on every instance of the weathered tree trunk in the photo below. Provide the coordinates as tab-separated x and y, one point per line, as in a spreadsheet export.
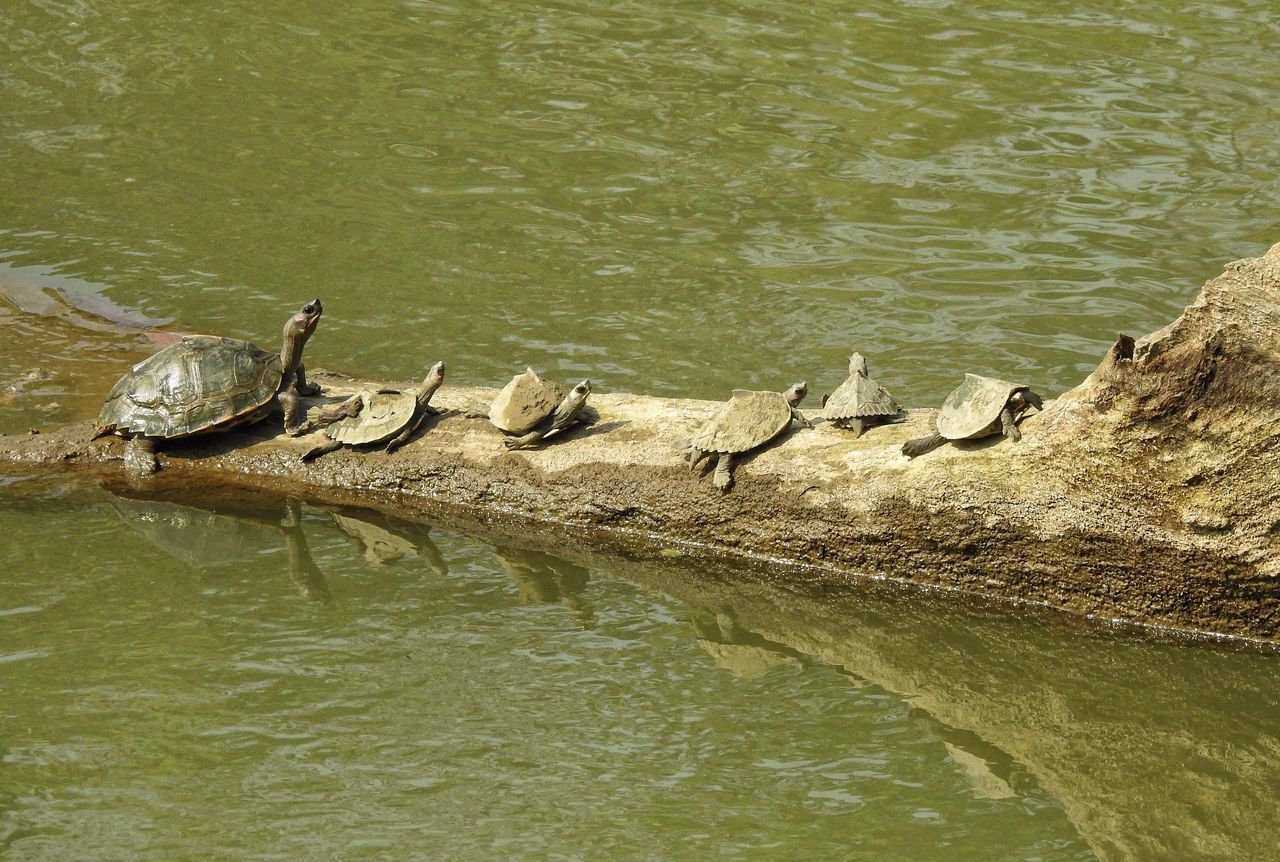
1150	493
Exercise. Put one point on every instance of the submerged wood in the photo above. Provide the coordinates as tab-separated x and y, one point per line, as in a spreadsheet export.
1149	493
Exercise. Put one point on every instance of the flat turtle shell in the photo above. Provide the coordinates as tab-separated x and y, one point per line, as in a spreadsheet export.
524	402
859	396
749	419
385	414
973	406
202	383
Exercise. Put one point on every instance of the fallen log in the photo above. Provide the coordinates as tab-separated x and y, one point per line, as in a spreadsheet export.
1149	493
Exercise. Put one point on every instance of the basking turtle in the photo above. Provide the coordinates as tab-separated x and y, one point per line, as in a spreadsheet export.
204	383
571	410
859	402
979	407
534	408
387	416
748	421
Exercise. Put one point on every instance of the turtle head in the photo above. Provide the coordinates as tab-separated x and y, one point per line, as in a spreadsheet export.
297	329
435	375
857	365
307	317
302	324
580	392
796	393
1024	398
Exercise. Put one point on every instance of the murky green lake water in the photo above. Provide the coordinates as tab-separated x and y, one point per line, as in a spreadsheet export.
673	198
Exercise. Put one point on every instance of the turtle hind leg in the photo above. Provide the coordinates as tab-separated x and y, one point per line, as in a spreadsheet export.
857	426
325	447
723	478
140	456
920	445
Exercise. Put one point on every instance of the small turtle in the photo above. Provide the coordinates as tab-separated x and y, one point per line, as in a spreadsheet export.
389	416
747	421
571	410
204	384
979	407
859	402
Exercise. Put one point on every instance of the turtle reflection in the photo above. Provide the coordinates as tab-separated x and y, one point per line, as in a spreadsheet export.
992	773
543	579
743	653
383	541
207	539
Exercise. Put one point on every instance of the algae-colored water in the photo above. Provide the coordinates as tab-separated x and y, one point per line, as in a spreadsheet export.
676	199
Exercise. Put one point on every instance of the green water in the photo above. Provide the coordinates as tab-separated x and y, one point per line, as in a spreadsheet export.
672	198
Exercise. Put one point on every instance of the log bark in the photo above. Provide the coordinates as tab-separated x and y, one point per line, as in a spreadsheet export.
1150	493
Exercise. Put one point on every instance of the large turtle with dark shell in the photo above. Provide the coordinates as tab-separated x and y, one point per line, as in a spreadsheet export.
532	409
205	384
859	402
386	416
979	407
747	421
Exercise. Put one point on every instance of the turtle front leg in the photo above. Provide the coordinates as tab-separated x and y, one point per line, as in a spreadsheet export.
526	441
695	457
1007	426
799	417
295	415
723	477
403	437
140	457
920	445
300	384
857	426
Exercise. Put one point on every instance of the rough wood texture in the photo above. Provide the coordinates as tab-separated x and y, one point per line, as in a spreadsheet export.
1148	493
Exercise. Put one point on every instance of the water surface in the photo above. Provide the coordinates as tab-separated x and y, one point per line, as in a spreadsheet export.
672	198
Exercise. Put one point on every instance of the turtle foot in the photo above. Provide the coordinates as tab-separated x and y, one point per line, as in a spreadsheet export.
140	458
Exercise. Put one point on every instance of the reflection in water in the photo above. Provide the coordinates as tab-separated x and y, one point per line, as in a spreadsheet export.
991	772
210	538
956	736
743	653
384	543
543	579
1154	751
205	539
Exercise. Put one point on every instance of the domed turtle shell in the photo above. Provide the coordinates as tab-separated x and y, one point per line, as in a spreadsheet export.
859	397
202	383
385	414
525	401
749	419
974	406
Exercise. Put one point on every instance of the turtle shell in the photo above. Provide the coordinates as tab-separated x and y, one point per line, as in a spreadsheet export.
973	406
749	419
524	402
385	415
859	397
202	383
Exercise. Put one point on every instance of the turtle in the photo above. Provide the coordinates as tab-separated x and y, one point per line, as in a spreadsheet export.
978	407
747	421
533	408
204	384
389	416
859	402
